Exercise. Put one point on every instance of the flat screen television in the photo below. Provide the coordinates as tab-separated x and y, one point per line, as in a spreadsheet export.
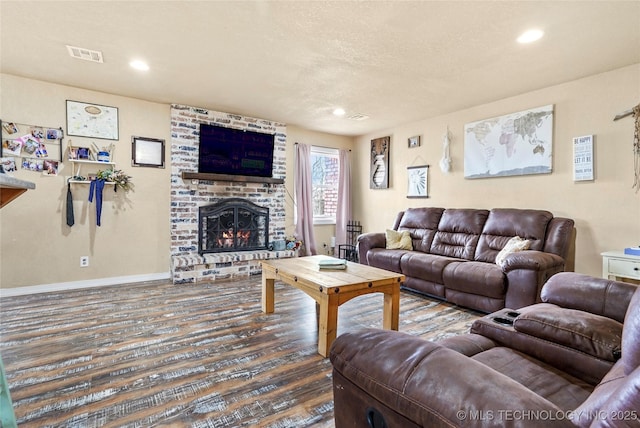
234	151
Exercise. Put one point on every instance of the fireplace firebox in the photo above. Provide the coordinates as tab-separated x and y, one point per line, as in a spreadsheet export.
233	224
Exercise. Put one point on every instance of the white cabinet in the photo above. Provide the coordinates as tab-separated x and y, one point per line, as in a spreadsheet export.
617	264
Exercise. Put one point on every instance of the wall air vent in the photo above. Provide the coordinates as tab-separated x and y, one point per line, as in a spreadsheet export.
358	116
85	54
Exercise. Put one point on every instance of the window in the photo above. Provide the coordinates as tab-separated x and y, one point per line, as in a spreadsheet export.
325	173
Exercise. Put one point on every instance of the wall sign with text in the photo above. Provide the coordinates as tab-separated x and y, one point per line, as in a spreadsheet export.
583	158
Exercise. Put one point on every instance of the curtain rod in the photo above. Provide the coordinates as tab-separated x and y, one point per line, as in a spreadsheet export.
322	147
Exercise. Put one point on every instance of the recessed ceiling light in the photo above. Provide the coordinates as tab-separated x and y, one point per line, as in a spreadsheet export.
530	36
339	112
139	65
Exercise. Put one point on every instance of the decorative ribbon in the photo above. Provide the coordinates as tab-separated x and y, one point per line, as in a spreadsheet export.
70	217
98	187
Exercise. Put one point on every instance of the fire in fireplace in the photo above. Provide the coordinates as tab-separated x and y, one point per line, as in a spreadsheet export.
233	224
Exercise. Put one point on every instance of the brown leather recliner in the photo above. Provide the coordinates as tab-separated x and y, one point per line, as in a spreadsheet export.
573	360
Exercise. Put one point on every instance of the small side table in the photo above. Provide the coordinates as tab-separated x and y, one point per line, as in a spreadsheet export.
618	264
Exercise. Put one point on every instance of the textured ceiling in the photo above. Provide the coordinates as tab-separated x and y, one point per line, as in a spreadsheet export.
295	61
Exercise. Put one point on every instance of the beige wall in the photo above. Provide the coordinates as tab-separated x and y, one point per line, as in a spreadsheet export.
606	211
37	247
323	233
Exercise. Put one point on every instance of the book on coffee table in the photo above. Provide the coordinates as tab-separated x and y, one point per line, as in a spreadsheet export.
334	264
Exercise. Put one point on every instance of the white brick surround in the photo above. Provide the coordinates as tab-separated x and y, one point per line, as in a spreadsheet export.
187	266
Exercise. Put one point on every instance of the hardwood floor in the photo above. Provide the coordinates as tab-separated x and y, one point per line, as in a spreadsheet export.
201	355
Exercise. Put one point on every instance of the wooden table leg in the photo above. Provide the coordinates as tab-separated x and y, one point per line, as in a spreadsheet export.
267	294
328	325
391	311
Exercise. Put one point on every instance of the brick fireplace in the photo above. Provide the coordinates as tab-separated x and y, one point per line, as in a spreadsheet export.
188	196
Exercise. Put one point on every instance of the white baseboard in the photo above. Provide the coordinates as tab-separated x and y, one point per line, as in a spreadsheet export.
63	286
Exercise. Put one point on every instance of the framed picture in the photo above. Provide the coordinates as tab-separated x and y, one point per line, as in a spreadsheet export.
54	134
418	184
92	120
147	152
79	153
379	178
414	141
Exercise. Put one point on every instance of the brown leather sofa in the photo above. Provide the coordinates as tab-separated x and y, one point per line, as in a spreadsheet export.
573	360
454	253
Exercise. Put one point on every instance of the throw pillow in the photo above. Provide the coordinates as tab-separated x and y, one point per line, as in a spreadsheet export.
514	245
398	240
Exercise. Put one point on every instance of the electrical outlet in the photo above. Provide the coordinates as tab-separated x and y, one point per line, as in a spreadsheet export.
84	261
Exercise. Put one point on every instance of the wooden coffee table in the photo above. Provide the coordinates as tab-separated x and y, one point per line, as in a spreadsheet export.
331	288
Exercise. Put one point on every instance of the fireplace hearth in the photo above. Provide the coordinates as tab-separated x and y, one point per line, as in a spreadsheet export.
233	224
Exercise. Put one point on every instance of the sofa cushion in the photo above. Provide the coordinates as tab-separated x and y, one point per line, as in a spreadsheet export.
458	233
398	240
422	286
514	245
427	267
592	334
563	390
385	259
485	279
422	223
504	223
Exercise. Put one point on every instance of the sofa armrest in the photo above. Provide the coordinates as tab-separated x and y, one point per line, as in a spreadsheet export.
532	260
428	384
527	271
468	344
590	294
367	241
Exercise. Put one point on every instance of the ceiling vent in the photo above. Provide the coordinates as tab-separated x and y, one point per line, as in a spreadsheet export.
358	116
85	54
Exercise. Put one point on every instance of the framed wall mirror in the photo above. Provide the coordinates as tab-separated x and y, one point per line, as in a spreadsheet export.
147	152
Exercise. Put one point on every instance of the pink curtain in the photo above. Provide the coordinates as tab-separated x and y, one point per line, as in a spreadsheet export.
304	200
343	215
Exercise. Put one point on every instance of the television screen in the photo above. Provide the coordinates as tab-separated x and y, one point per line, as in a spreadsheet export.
233	151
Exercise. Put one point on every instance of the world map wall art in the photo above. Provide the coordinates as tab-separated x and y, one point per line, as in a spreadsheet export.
515	144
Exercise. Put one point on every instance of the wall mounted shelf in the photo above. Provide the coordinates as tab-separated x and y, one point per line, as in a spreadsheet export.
78	163
89	182
186	175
